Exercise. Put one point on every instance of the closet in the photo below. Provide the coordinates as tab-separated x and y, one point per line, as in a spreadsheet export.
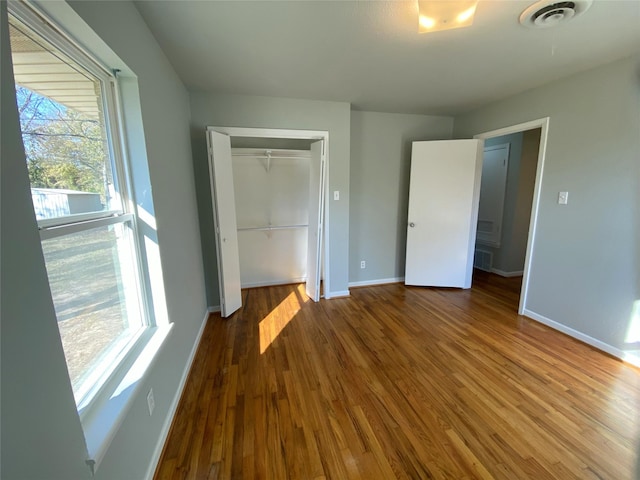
268	191
272	214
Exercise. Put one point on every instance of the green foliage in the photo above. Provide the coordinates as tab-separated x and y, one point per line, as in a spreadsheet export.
64	148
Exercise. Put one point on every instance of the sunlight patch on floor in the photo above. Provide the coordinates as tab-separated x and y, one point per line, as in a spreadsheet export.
272	325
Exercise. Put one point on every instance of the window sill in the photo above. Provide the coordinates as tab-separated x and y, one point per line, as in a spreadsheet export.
103	421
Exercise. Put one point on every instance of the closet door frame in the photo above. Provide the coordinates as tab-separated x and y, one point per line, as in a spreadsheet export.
323	252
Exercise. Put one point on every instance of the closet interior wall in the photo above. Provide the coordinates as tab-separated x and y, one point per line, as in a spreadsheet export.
272	211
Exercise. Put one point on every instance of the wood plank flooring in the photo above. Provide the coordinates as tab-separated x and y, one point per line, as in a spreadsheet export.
400	382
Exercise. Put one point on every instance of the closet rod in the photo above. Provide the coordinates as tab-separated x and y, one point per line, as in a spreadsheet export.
268	228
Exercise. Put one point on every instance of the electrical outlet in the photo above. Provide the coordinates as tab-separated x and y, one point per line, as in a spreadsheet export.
151	402
563	198
363	264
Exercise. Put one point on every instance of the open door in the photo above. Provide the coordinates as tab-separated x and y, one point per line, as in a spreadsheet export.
316	214
444	191
224	216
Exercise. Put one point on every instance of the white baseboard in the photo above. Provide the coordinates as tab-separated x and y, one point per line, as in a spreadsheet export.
517	273
632	357
380	281
214	309
342	293
155	458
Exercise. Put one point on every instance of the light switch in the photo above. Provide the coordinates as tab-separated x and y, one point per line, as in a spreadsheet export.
563	198
336	195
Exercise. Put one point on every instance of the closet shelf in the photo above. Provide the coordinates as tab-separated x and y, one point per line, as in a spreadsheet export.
295	157
271	227
269	155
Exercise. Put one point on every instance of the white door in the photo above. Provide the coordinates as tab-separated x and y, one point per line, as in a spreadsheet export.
316	214
443	210
224	216
492	191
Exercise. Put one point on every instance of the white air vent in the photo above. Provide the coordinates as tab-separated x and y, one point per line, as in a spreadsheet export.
549	13
483	260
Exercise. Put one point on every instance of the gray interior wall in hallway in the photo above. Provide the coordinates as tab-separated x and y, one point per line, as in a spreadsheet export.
522	208
380	165
586	263
210	109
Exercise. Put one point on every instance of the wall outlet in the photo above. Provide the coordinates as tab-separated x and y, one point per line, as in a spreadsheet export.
363	264
563	198
151	402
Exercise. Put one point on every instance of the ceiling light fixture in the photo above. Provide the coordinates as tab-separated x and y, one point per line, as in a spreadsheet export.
436	15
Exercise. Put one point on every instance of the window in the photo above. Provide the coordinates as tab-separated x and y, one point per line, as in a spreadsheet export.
79	187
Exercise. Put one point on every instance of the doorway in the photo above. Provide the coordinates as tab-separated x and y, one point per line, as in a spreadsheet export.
518	242
251	214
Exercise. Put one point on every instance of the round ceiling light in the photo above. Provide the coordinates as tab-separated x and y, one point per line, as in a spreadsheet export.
545	13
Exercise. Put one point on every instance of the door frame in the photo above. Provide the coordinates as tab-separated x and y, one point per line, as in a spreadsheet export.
323	253
543	124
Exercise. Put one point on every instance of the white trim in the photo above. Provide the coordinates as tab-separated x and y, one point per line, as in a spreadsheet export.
342	293
47	233
214	309
37	18
379	281
517	273
325	273
294	134
543	124
271	133
62	221
164	432
632	357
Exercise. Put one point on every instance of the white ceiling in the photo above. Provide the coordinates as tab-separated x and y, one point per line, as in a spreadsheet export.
369	53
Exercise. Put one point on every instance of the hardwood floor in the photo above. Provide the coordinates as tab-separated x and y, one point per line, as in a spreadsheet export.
400	382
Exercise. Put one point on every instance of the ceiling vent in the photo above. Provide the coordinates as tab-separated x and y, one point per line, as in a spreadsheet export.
545	13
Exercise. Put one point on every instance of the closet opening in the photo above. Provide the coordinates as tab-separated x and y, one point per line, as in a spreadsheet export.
268	190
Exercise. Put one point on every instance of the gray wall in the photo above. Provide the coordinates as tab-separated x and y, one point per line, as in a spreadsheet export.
40	428
208	109
380	164
585	264
514	260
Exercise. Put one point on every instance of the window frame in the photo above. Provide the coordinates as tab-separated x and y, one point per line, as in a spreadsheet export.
116	364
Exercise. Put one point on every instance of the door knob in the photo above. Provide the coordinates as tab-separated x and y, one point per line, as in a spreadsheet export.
412	224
